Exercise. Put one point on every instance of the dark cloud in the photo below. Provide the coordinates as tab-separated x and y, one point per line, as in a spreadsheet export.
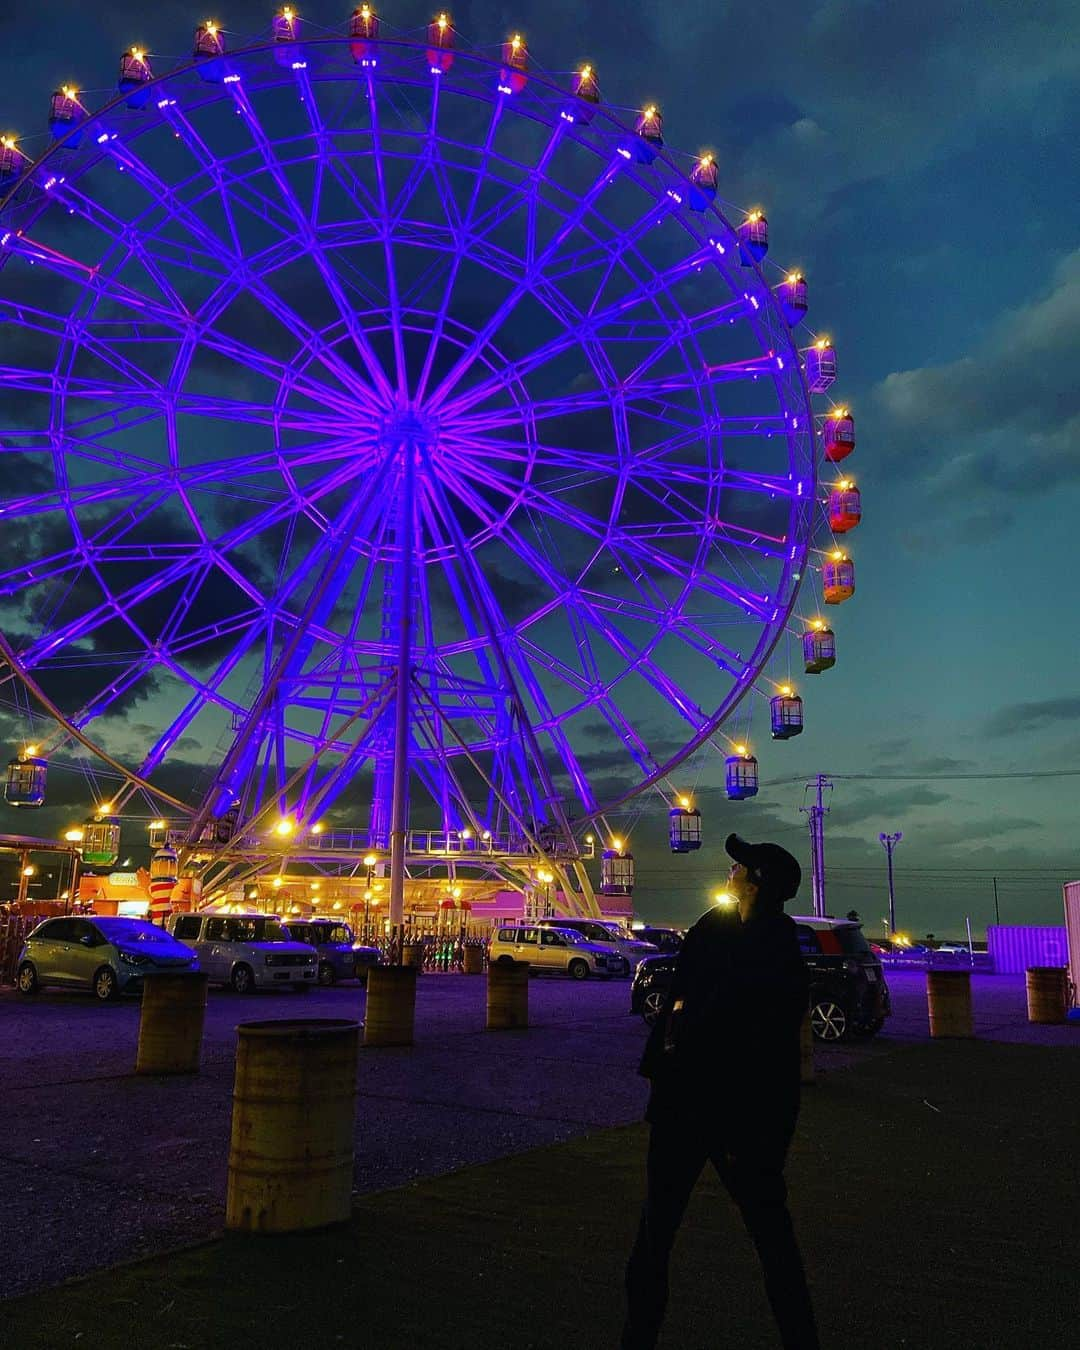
1032	716
1012	407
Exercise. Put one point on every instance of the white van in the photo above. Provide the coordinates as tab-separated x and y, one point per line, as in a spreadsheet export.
246	951
610	934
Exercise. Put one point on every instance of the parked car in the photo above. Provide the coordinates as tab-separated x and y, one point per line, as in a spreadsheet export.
340	957
247	951
109	955
848	993
557	949
663	939
608	933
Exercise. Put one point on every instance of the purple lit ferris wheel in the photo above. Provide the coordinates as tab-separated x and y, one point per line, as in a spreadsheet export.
386	422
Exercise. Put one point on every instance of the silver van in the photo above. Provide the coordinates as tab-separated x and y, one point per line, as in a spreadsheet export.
610	934
554	949
246	951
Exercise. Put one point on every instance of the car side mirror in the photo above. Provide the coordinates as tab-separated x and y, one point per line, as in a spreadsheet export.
87	940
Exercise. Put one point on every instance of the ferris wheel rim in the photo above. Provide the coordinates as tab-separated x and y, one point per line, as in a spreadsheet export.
775	629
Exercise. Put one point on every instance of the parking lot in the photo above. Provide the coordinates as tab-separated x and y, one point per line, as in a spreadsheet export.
103	1166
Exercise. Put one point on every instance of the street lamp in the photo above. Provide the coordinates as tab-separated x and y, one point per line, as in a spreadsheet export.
888	843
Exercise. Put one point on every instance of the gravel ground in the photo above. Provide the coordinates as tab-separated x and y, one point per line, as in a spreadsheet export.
98	1166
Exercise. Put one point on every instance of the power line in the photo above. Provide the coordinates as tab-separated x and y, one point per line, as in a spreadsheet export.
981	776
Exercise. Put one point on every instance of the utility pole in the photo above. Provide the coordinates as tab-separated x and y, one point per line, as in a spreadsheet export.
816	814
997	912
889	842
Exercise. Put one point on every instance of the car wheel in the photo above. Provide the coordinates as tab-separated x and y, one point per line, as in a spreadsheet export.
651	1005
243	980
105	984
326	973
505	961
578	970
828	1021
27	979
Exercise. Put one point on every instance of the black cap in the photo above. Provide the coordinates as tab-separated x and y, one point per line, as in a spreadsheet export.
776	871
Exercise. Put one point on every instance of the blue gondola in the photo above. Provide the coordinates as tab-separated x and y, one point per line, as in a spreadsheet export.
684	827
363	34
704	180
819	649
786	715
741	775
135	77
753	238
616	872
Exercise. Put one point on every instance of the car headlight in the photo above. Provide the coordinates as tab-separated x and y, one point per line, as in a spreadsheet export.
131	959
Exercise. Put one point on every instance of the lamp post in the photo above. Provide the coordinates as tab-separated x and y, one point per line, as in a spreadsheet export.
888	843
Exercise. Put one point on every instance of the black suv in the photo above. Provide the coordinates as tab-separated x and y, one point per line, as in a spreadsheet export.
848	993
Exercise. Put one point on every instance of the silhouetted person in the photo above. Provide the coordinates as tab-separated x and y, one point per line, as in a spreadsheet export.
723	1058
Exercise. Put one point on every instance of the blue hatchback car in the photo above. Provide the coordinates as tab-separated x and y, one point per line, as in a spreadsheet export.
110	955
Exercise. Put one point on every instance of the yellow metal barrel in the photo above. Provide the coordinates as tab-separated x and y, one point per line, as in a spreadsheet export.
1047	994
948	1001
474	959
171	1023
293	1121
507	995
806	1050
390	1011
412	954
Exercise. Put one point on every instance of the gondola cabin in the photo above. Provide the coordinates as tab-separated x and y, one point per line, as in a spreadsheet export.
786	715
12	160
819	649
845	507
704	180
753	238
101	841
363	34
515	59
65	114
684	827
838	579
616	870
135	77
208	50
794	297
740	775
440	44
650	134
820	366
586	97
26	776
285	29
838	435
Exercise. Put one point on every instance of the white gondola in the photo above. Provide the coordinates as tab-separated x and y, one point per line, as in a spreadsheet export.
786	715
101	841
616	871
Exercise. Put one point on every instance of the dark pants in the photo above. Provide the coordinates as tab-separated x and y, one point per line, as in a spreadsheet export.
753	1173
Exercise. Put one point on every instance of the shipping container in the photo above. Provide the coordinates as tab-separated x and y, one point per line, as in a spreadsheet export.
1014	947
1072	930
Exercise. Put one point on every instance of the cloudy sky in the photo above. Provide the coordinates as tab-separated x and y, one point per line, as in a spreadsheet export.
918	163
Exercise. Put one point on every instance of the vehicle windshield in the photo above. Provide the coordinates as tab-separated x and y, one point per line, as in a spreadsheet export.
570	934
130	930
319	934
253	929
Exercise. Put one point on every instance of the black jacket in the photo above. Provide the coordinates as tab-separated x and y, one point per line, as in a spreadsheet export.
731	1052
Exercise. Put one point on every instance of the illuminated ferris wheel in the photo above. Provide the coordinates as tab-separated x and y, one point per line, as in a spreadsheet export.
409	434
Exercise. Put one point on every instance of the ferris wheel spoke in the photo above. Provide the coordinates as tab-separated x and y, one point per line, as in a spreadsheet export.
647	553
535	263
308	236
393	302
231	266
460	226
513	665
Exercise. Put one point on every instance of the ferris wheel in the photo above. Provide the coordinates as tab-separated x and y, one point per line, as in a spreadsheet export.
387	424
